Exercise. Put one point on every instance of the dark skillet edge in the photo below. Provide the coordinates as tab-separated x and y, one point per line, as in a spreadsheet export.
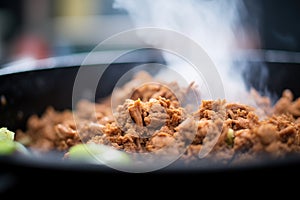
99	57
32	164
286	165
270	72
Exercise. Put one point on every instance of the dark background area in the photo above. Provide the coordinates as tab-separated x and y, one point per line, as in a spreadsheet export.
42	21
279	24
46	28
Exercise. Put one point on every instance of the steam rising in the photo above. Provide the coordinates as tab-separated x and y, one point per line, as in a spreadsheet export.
214	24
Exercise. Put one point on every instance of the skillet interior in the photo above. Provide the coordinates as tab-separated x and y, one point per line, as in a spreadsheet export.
31	91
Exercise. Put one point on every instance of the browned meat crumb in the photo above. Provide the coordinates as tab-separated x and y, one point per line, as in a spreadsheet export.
286	104
261	103
53	130
154	120
142	126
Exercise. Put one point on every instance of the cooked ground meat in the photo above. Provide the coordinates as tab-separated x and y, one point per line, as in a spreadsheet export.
154	118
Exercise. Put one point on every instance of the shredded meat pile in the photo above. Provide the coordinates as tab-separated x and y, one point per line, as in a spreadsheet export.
153	119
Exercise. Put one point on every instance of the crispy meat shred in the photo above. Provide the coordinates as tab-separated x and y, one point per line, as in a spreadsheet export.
154	120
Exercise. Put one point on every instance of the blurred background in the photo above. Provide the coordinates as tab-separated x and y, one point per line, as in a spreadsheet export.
45	28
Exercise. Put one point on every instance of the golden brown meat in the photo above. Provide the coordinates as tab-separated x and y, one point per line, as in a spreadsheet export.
153	120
